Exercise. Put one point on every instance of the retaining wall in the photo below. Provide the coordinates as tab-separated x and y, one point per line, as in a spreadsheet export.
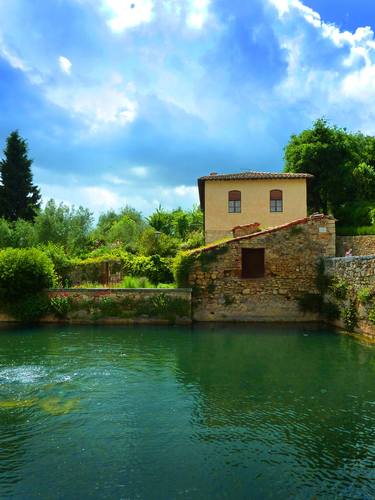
118	306
357	272
360	245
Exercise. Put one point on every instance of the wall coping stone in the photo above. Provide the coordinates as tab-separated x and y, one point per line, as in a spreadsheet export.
115	290
352	258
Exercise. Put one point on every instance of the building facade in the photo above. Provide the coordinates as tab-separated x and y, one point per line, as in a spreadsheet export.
260	276
270	199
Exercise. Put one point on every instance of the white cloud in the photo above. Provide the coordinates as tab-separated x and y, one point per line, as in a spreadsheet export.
329	89
114	179
14	60
98	105
197	13
125	14
65	64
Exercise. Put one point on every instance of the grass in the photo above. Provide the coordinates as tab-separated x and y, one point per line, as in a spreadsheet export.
127	282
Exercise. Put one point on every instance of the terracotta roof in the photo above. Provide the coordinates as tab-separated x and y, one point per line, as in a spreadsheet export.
296	222
245	176
255	175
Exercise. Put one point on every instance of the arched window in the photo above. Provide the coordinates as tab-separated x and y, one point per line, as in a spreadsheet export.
234	202
276	200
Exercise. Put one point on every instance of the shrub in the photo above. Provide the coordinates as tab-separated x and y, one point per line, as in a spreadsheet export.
30	308
157	269
62	263
339	288
355	230
60	306
182	266
136	282
365	295
25	272
350	317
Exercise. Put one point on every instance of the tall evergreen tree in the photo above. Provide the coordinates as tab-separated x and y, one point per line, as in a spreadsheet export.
19	198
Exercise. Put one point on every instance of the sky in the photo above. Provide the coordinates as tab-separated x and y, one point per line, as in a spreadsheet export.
127	102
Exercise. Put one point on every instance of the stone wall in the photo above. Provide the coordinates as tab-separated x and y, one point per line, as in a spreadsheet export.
357	273
361	245
118	306
245	229
291	254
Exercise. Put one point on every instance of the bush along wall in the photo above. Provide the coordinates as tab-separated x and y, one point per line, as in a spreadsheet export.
25	274
352	289
120	305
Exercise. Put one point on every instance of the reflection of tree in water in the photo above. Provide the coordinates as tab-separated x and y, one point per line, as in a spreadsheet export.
304	399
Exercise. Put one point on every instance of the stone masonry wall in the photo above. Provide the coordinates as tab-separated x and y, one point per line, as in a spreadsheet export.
358	273
121	306
291	255
361	245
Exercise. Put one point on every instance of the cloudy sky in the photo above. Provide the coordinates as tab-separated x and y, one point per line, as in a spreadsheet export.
129	101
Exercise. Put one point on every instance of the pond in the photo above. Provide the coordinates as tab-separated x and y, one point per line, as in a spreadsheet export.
177	412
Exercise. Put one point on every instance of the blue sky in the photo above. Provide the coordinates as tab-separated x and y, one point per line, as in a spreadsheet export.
128	102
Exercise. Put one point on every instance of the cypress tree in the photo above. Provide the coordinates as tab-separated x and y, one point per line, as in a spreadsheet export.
19	198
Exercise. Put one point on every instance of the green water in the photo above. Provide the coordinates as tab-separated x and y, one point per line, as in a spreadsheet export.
171	412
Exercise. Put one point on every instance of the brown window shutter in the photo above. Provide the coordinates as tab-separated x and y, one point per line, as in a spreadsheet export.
234	196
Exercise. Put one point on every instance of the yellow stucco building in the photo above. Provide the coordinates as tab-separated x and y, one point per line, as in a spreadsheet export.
230	200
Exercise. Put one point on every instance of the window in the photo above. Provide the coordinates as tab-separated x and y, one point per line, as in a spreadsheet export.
234	202
252	262
276	200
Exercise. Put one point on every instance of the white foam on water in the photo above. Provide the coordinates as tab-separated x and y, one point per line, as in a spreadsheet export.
28	374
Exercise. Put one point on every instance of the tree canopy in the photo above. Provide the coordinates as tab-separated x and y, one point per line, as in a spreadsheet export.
343	165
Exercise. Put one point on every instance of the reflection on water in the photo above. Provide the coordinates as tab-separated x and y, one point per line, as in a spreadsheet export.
167	412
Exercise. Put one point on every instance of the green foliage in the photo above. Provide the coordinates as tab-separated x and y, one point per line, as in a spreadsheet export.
157	306
350	316
25	272
355	213
60	306
366	294
19	198
331	153
182	266
157	269
295	230
206	257
28	308
136	282
62	263
177	223
355	230
65	226
339	288
195	240
371	315
152	242
184	262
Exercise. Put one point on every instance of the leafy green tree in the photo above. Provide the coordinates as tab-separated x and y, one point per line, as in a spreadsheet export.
19	198
326	152
63	225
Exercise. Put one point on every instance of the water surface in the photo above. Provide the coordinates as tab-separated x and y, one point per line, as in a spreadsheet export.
179	412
